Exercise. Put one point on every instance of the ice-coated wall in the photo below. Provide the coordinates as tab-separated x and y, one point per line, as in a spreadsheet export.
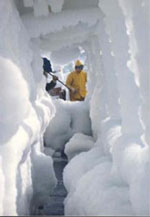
114	174
25	112
136	12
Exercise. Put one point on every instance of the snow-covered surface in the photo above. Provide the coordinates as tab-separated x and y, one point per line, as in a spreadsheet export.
70	118
56	22
78	166
77	144
43	177
115	182
12	82
107	196
25	112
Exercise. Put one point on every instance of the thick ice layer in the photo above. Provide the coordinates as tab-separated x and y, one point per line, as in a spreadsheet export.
118	186
114	185
43	177
70	118
12	81
77	144
25	112
78	166
56	22
103	196
129	156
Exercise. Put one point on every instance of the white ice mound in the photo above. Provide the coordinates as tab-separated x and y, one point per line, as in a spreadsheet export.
77	144
14	99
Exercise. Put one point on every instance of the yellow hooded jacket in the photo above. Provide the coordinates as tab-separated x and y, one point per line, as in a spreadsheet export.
77	81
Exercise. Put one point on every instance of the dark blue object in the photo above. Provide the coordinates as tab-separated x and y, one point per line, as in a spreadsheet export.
50	86
47	67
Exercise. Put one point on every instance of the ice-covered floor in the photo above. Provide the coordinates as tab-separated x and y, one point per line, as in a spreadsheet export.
55	203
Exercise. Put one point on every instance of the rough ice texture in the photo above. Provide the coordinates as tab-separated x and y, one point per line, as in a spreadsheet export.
56	22
77	144
25	112
110	197
114	180
43	177
70	118
78	166
12	81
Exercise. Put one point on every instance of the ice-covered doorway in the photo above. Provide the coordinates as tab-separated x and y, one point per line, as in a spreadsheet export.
66	46
62	33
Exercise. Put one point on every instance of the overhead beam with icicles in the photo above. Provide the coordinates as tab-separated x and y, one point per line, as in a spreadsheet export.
44	7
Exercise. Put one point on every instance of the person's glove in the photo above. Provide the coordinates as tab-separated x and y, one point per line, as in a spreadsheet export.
55	78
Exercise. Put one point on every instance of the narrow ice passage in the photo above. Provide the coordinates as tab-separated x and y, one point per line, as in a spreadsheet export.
106	137
55	203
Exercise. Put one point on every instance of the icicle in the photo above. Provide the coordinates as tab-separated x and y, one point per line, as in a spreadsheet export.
56	5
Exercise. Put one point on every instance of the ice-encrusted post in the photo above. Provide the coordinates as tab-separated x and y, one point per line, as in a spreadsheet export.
91	75
129	93
110	75
128	149
98	102
136	12
112	118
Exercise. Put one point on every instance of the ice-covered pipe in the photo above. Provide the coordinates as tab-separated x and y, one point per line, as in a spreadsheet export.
129	93
110	75
97	88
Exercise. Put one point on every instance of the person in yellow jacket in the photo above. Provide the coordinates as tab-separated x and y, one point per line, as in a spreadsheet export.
76	81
